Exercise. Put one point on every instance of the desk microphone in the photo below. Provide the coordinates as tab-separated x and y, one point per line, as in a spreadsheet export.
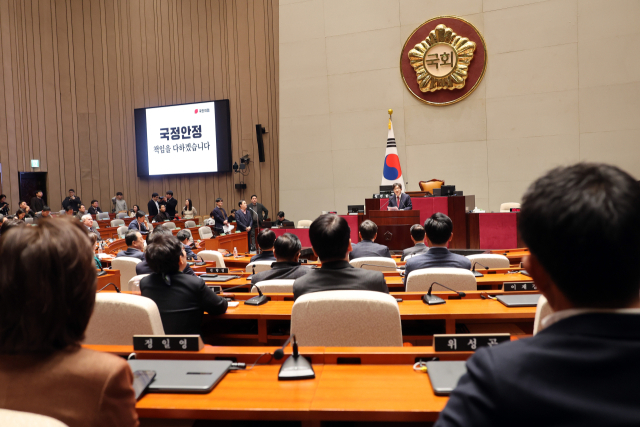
477	273
101	272
433	300
257	300
195	257
296	367
114	285
279	353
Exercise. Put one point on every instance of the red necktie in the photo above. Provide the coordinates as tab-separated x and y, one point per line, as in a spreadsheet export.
398	201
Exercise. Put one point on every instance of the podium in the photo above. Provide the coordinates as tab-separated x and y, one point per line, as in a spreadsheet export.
228	242
394	227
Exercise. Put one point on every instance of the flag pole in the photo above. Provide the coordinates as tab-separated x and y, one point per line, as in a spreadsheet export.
390	113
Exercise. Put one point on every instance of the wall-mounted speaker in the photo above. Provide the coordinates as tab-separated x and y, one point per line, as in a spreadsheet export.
241	186
259	131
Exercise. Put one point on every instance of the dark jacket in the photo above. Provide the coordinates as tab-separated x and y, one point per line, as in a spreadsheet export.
243	220
181	301
405	202
161	217
264	256
94	211
580	371
419	248
368	248
281	270
94	231
171	207
436	257
219	216
36	204
132	253
75	204
339	276
152	210
143	268
139	226
260	210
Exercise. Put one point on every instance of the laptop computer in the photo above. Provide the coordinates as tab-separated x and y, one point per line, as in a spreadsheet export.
444	375
530	300
183	376
219	278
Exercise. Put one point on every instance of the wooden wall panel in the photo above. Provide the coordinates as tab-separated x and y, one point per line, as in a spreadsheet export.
73	71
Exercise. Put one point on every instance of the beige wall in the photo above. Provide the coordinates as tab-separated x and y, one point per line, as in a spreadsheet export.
561	86
73	71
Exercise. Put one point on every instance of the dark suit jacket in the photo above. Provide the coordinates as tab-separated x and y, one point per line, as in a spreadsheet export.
182	302
36	204
281	270
580	371
94	231
75	204
131	252
405	202
152	210
94	211
419	248
262	212
79	387
369	248
140	226
264	256
243	220
171	207
161	217
220	216
339	276
436	257
143	268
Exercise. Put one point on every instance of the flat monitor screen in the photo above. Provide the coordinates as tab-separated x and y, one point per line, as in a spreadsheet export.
183	139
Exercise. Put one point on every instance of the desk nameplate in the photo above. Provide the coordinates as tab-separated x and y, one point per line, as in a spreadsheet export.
168	342
519	286
467	342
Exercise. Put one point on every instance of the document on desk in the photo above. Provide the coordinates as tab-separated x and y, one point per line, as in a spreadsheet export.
392	208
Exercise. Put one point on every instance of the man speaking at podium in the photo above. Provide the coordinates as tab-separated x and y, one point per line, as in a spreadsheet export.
401	201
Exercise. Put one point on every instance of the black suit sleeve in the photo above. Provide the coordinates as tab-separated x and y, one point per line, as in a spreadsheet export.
408	205
387	253
383	285
474	401
266	213
211	302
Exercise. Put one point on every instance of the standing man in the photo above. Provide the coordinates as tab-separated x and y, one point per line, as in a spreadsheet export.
171	205
140	224
244	219
37	204
153	207
94	209
257	210
400	200
72	201
119	203
220	216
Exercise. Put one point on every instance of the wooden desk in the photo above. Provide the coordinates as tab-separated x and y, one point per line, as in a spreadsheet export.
112	276
104	223
493	230
228	242
394	227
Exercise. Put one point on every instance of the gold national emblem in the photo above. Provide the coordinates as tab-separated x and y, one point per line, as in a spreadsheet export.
441	61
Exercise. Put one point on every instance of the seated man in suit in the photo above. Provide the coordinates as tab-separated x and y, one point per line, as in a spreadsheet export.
439	229
94	209
367	247
140	224
87	220
135	245
162	215
184	237
287	266
266	238
281	219
329	235
400	200
181	299
417	236
46	213
577	370
144	267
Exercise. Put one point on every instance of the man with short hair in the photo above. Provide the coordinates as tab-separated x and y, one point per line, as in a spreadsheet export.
135	245
219	216
140	223
171	205
582	367
25	207
244	220
69	211
417	236
94	209
72	201
153	206
88	222
44	214
286	249
400	200
36	202
280	219
160	230
329	235
439	229
183	237
266	239
82	211
367	248
119	203
162	215
258	211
